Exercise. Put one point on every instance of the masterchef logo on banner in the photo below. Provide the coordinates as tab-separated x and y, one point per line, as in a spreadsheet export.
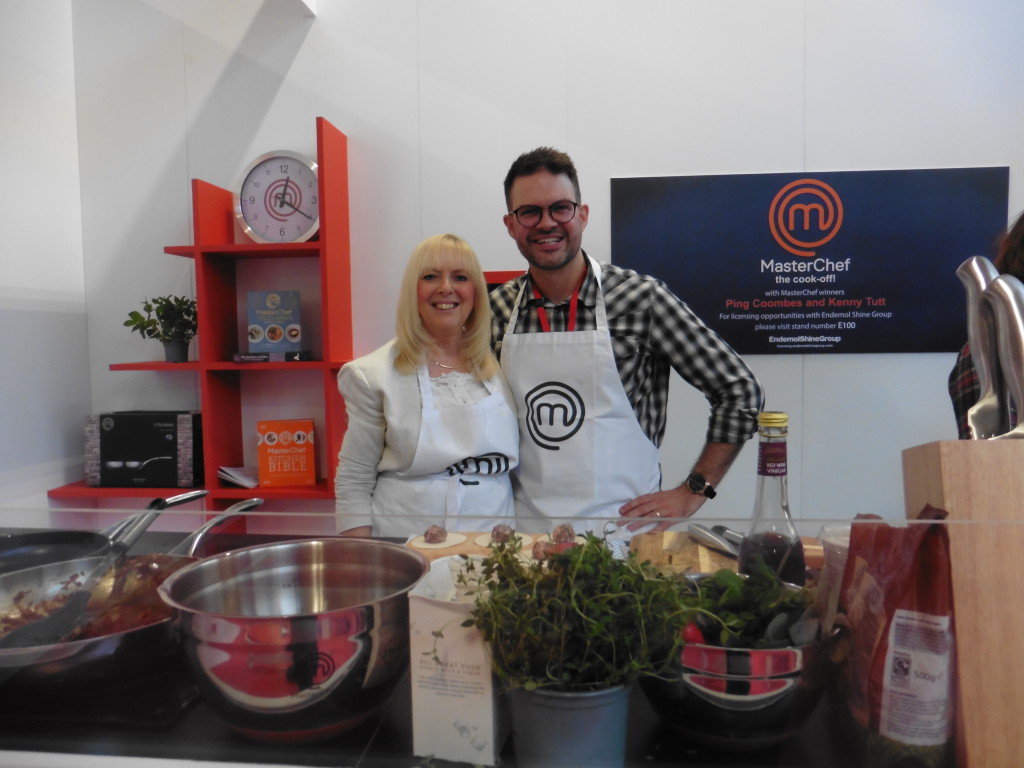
844	261
805	214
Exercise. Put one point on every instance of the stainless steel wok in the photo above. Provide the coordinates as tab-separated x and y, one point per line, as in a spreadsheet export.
108	660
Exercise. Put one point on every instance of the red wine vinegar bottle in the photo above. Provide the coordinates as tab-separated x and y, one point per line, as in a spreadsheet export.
772	535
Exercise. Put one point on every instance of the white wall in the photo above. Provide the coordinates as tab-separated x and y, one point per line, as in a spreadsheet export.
438	97
44	383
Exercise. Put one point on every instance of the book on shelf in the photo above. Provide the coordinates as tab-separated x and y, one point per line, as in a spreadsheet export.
274	324
272	357
285	452
246	477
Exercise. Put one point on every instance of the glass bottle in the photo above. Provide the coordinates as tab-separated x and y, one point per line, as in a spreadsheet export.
772	534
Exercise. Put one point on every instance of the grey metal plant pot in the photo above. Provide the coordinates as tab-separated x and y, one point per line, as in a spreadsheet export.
175	351
556	728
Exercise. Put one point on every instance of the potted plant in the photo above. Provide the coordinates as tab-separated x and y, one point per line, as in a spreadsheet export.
169	319
568	636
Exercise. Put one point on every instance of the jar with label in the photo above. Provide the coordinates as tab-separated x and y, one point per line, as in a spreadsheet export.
772	536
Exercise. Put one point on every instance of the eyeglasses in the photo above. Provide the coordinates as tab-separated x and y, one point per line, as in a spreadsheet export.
561	212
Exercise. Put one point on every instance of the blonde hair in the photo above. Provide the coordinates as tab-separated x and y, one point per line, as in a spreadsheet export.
444	252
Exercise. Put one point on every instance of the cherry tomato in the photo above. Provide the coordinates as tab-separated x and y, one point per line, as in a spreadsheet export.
692	633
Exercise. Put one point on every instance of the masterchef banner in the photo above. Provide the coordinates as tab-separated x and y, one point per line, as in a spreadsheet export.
851	261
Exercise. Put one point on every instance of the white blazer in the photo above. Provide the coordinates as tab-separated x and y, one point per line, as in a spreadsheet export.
384	419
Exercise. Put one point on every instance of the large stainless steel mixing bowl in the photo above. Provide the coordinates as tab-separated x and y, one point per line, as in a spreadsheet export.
300	640
741	698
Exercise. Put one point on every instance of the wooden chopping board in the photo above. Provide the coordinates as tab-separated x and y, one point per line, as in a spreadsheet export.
675	551
671	551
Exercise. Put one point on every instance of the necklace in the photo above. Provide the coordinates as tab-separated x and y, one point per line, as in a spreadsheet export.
447	367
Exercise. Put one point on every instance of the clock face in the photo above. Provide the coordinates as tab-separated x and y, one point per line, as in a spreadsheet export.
279	201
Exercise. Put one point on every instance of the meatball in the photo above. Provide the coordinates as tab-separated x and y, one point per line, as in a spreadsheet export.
435	534
563	533
502	533
541	550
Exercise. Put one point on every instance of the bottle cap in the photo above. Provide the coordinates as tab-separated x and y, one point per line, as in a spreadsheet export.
773	419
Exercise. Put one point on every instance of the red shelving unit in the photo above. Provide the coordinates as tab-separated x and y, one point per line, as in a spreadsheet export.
219	262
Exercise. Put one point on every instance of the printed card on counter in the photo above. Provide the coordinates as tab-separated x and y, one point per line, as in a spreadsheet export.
272	357
274	322
285	452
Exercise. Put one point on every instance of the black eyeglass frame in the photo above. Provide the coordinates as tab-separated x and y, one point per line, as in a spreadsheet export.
538	211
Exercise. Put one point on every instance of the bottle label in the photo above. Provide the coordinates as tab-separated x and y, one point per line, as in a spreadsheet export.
771	459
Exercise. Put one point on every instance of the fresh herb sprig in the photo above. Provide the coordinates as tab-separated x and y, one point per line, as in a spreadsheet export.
580	620
748	612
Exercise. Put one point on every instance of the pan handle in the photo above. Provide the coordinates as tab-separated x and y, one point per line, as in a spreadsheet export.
136	525
190	543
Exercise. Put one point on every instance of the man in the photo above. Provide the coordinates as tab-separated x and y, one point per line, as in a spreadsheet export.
586	349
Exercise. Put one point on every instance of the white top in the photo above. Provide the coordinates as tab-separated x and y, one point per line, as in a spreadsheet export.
454	388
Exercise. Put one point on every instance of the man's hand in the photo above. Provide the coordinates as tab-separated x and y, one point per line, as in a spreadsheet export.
679	503
665	507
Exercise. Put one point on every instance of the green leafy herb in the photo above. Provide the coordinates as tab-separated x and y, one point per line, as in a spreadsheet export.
581	620
738	611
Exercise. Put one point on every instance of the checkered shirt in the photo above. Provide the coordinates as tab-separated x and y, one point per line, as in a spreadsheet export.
652	331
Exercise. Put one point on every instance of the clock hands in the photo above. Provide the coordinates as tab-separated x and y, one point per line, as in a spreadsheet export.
283	201
295	208
284	191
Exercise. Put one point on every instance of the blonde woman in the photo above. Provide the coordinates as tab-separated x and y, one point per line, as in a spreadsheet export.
432	434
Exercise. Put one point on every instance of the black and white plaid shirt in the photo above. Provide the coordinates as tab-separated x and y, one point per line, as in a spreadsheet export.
652	330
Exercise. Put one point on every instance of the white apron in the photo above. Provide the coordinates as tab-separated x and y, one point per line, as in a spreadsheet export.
460	468
582	452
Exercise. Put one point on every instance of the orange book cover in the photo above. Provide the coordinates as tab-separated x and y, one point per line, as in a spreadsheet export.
285	452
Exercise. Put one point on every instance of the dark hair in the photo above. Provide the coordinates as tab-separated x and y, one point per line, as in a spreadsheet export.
541	159
1010	250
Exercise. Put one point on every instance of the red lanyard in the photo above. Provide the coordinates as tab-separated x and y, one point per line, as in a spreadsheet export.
542	314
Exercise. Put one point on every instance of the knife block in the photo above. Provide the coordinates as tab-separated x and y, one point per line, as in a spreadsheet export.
980	483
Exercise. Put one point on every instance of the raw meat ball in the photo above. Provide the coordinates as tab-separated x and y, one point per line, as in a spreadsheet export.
502	533
562	533
435	534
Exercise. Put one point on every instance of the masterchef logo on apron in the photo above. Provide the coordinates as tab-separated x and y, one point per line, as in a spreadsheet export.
554	413
488	464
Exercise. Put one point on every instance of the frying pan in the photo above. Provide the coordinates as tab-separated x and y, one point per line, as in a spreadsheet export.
25	550
107	661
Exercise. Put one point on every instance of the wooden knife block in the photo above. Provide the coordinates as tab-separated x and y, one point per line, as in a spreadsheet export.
980	482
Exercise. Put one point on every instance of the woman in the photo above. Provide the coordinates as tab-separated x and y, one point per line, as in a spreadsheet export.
432	430
964	389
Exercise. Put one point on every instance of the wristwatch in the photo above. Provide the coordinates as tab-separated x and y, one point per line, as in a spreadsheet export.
697	484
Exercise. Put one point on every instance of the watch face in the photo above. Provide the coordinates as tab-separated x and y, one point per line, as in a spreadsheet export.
278	201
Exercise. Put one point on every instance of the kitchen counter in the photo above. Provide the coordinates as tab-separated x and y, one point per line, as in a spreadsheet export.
383	742
163	722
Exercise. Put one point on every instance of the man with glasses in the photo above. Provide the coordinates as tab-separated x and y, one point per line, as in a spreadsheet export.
586	349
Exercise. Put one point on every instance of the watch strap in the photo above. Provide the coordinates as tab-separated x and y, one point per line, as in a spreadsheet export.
698	484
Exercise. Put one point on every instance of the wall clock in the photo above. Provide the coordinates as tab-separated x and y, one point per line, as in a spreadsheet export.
278	200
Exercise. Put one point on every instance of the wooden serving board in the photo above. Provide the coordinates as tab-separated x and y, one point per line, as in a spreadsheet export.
676	552
467	547
672	551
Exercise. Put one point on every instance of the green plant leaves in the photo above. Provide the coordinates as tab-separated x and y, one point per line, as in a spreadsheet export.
583	620
167	318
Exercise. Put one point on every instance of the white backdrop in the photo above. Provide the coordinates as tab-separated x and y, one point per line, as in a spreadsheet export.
438	97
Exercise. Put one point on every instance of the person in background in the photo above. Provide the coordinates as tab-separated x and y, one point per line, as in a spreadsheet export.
586	349
432	431
964	390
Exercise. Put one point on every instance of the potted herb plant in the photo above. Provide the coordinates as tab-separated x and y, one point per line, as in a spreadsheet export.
168	319
568	636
